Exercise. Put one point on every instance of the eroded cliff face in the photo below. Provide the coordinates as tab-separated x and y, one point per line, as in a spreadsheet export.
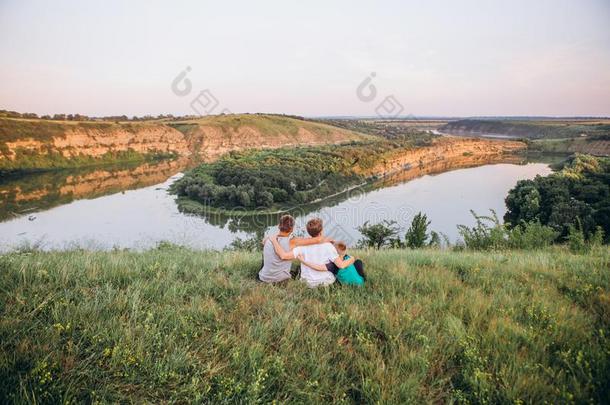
445	152
202	140
92	141
208	143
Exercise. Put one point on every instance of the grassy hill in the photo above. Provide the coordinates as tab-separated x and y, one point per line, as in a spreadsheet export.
181	326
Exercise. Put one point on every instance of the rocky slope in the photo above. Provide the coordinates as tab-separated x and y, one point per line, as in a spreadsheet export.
43	144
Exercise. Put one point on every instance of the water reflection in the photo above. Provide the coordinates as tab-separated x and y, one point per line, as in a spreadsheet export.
30	193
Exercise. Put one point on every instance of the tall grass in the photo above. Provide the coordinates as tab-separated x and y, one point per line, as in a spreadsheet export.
430	326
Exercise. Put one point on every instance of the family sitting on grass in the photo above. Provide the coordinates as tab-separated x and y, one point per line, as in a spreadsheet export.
323	261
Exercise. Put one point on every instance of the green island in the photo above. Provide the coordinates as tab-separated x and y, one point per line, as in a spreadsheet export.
277	179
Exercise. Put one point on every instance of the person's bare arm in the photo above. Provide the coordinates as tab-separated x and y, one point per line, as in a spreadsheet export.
294	242
341	263
317	267
279	250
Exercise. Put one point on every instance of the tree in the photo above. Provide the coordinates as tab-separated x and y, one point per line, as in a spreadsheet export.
417	234
435	239
264	199
523	203
378	235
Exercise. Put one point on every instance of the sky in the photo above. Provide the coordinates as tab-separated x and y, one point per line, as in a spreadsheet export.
313	58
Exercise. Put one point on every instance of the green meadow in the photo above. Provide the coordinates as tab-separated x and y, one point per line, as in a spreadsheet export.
430	326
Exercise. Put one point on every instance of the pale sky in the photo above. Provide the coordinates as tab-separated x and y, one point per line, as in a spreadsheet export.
466	58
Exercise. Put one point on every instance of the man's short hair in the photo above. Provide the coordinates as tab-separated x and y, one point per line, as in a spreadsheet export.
314	227
286	223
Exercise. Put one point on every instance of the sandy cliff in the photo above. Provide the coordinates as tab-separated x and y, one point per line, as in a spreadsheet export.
203	139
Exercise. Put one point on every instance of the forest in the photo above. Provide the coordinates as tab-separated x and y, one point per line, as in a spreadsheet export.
575	198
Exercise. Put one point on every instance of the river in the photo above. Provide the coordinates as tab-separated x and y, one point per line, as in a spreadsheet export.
128	206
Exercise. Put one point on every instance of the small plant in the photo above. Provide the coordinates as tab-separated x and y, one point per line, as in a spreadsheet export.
597	238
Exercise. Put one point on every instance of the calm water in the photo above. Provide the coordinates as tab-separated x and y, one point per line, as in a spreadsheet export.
129	207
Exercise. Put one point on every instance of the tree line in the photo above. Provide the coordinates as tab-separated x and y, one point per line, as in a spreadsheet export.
81	117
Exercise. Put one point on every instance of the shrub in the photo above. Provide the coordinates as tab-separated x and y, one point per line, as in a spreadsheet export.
576	239
530	235
379	235
487	234
251	244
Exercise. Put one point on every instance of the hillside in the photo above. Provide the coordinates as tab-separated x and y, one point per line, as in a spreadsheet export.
27	144
175	325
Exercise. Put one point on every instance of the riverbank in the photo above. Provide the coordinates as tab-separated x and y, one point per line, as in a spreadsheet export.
431	326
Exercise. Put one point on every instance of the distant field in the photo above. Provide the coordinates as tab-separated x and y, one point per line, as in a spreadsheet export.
174	325
413	130
590	136
532	129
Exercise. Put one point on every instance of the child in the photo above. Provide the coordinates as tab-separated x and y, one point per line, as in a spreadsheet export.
351	275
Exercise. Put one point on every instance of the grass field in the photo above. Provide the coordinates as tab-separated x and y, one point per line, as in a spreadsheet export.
180	326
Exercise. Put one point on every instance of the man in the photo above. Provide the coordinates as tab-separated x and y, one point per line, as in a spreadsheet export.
319	254
276	270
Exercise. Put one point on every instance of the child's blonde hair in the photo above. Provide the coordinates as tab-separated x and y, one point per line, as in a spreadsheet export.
340	245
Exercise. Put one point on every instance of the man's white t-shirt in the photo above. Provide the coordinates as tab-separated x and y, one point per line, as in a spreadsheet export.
321	253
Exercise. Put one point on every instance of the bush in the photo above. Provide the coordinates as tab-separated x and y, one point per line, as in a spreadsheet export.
487	234
379	235
251	244
576	239
530	235
579	244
